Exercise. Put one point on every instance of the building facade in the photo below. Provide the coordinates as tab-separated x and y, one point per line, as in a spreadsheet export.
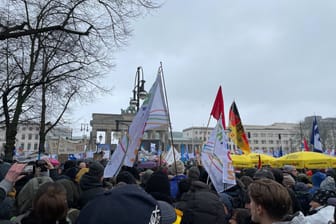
28	138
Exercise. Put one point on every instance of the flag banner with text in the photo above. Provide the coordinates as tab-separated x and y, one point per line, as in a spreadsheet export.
237	133
217	161
154	108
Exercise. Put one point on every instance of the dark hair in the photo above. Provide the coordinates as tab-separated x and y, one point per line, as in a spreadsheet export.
50	204
126	177
241	215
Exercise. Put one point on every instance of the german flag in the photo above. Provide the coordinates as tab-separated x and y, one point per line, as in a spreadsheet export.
237	133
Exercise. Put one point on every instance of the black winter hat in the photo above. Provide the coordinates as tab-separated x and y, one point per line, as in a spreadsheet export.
158	182
126	204
126	177
96	169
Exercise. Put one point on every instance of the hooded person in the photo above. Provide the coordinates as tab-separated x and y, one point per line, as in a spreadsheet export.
126	204
158	186
91	183
316	179
25	197
320	211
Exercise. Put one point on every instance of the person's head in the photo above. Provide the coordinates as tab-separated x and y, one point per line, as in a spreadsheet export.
262	174
270	201
158	186
126	177
193	173
240	216
96	170
82	165
290	170
127	204
50	203
177	168
320	198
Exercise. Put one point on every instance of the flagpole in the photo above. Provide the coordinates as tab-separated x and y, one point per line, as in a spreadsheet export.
170	129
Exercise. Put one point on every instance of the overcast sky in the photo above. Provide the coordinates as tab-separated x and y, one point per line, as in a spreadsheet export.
276	59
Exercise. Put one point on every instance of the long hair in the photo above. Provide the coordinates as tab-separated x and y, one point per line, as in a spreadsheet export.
50	204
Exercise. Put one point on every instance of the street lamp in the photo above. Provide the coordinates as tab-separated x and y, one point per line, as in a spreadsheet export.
84	128
139	91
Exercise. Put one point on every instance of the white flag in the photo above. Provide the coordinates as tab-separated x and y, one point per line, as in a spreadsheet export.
169	158
117	158
217	161
151	115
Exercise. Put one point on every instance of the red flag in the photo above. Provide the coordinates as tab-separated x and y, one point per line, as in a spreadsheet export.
305	144
259	162
218	107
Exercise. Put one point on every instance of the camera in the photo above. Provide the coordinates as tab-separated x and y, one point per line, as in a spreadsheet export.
42	165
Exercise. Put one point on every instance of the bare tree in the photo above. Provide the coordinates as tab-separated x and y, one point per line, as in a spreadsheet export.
57	46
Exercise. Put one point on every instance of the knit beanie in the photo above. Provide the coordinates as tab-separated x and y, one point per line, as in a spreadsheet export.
288	181
158	182
159	187
288	168
96	169
328	184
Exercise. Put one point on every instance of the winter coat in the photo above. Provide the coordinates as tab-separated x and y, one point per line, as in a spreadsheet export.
90	186
297	218
200	206
322	216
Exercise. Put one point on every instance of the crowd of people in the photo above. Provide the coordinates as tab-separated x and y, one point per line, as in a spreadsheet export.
41	192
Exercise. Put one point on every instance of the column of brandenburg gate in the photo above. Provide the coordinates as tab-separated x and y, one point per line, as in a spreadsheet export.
118	125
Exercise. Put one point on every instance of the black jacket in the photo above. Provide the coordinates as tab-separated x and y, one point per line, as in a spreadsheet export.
90	186
200	205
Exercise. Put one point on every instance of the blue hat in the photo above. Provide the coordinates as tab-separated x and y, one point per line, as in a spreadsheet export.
126	204
317	179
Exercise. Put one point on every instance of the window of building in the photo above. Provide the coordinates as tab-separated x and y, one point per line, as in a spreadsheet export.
35	146
255	141
263	141
23	136
30	136
262	135
30	128
271	142
36	137
29	146
270	134
22	145
37	129
255	135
